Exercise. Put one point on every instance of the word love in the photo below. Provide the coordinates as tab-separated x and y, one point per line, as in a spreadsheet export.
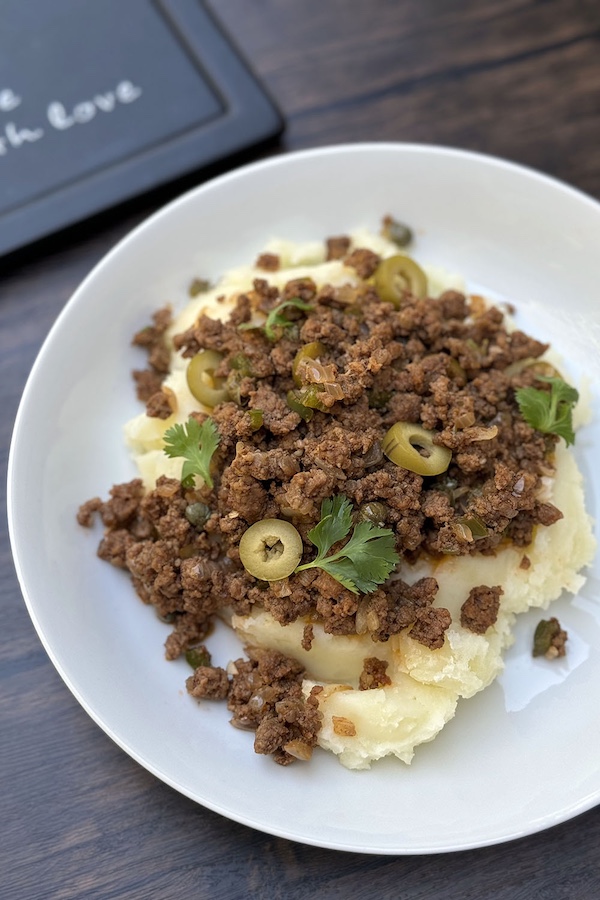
125	92
58	116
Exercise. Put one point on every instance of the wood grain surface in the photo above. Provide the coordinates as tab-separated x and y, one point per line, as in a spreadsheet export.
79	818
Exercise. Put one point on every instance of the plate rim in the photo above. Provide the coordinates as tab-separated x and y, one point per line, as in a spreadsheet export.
106	261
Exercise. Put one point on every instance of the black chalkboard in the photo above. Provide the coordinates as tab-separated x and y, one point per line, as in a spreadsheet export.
101	100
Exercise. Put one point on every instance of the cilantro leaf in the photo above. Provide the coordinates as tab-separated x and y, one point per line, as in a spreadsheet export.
196	444
372	552
365	561
276	319
549	411
336	521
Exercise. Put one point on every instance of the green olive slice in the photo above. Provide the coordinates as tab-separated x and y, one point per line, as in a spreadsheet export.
475	524
411	446
294	403
397	276
308	351
270	549
201	378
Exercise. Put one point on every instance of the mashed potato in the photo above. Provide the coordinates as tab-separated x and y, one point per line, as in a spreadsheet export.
363	726
427	684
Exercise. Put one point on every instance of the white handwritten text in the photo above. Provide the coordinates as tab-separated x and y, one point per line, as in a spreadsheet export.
13	135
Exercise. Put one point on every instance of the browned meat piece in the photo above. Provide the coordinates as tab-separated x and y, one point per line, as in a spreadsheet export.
480	610
337	247
266	696
430	626
373	674
208	683
364	261
268	261
159	406
152	339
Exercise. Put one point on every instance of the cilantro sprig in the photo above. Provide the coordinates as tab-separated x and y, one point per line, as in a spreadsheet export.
276	319
196	443
549	411
365	561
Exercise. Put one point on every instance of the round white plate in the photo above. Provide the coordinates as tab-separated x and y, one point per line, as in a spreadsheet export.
517	758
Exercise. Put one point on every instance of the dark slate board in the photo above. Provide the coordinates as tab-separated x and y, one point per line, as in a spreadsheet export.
101	100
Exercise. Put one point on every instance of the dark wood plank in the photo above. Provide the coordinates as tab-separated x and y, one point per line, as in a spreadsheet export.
80	819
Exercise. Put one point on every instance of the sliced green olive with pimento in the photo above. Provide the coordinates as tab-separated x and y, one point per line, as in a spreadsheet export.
270	549
411	446
313	350
202	382
397	276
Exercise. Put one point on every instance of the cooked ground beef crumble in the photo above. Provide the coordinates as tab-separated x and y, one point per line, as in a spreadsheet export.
448	364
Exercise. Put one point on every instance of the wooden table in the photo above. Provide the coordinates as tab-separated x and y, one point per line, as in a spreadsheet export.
80	819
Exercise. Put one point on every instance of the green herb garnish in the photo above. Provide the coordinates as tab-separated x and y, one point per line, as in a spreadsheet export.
365	561
549	411
276	319
196	444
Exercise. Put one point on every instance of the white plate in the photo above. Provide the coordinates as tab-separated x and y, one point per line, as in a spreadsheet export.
519	757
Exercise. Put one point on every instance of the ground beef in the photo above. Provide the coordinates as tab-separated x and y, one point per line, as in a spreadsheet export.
266	696
293	436
208	683
430	626
308	635
188	631
159	406
337	247
152	340
364	261
373	674
397	607
480	610
147	383
268	261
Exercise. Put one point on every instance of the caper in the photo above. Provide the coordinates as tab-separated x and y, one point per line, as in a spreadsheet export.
198	286
197	656
270	549
256	418
395	231
201	378
397	276
197	514
167	618
373	511
379	399
411	446
308	351
241	363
